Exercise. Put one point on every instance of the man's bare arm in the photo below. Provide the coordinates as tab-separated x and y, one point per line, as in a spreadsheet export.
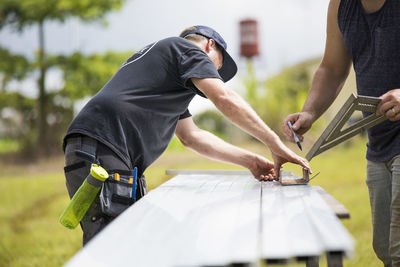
209	145
328	79
241	114
236	109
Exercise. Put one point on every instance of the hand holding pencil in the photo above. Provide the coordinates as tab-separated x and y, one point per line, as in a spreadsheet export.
296	139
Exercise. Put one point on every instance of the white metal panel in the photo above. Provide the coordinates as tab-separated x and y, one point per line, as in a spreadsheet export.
245	239
216	229
296	222
191	220
286	229
333	234
209	219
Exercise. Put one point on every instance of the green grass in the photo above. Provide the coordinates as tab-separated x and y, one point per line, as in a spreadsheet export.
32	198
29	210
9	145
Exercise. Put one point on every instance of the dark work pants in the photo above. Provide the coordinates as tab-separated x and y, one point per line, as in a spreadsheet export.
94	220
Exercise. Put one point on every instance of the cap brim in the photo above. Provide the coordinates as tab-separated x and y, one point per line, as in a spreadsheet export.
229	67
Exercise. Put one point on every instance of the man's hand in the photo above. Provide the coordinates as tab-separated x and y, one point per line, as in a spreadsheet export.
390	105
301	124
213	147
262	169
281	154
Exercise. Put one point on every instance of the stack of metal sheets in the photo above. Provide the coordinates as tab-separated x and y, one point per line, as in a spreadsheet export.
218	220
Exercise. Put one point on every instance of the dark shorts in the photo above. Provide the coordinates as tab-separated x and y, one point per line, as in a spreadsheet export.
76	171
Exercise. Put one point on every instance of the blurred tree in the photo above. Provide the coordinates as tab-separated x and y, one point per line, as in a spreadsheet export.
83	76
16	110
286	94
19	14
12	67
16	113
86	75
281	94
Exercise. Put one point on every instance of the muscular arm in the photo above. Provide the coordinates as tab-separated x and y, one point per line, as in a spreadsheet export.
209	145
241	114
236	109
328	79
333	70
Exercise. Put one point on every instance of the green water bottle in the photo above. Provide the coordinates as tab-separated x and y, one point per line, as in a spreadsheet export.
83	197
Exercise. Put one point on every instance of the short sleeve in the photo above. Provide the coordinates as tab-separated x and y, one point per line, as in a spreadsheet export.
185	115
196	64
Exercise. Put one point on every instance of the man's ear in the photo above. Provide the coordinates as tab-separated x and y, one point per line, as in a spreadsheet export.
210	45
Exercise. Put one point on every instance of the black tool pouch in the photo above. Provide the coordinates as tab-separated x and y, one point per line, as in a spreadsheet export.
116	193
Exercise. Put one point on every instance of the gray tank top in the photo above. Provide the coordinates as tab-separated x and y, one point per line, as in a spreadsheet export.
373	42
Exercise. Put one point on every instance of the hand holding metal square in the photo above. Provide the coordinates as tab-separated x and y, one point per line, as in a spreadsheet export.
334	134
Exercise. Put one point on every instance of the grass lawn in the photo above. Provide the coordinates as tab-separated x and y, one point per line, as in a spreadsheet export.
32	197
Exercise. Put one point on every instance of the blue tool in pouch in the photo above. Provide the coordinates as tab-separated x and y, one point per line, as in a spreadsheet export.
134	183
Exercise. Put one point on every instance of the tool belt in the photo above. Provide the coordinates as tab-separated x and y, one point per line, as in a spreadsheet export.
116	193
120	190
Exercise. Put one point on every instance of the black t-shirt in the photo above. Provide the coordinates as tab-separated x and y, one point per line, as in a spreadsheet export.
135	114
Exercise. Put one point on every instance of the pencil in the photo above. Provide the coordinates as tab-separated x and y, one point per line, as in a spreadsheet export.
295	136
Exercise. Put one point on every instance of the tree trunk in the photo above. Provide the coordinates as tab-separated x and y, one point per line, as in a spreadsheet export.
42	93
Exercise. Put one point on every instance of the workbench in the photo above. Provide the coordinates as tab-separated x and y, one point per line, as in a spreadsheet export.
221	218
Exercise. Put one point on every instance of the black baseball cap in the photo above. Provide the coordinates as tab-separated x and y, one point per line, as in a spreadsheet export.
229	68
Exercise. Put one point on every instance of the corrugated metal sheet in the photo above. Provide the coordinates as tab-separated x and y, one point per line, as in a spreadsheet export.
203	219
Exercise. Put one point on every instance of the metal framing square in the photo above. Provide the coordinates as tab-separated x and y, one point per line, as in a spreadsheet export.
334	133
